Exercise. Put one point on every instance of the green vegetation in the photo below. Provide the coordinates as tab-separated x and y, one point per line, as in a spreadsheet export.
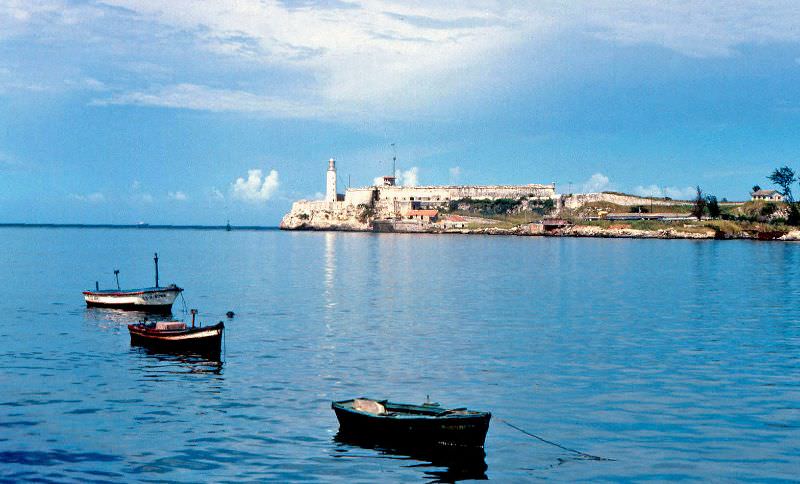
365	213
699	205
501	206
485	207
713	206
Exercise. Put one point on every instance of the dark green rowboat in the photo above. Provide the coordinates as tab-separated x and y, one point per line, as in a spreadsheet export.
399	423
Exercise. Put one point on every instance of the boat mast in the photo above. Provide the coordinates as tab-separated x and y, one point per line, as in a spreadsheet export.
156	260
116	276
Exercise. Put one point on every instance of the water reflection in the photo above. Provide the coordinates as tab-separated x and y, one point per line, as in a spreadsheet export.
105	317
161	362
438	463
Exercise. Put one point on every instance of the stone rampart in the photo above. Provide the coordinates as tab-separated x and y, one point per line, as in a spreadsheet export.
320	215
581	199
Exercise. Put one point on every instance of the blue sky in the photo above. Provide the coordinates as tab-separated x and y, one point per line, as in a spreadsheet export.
122	111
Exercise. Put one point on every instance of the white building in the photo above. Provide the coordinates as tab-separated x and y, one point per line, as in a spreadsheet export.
768	195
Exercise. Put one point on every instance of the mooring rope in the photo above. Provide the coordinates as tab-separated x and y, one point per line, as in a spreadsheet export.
184	305
582	454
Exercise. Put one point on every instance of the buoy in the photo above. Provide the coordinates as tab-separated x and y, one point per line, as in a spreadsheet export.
230	314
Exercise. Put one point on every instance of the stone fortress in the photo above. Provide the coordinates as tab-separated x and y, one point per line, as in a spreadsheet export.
412	208
359	207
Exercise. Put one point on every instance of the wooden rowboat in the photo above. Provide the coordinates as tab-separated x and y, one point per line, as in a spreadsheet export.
423	425
176	336
150	299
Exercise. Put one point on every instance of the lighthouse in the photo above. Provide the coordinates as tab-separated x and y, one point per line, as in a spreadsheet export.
330	191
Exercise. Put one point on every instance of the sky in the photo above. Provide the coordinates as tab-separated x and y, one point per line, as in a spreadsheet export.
196	112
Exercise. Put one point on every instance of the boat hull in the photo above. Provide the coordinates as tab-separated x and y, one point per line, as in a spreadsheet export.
207	340
157	300
422	430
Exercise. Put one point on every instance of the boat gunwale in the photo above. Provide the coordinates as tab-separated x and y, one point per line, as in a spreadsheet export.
140	330
133	292
422	412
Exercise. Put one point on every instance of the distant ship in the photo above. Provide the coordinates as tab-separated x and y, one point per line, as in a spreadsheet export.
151	299
228	226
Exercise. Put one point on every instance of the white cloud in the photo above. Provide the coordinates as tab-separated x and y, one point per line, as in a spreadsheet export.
596	183
345	58
142	198
95	197
256	188
350	55
197	97
217	195
693	27
676	193
408	178
455	174
177	196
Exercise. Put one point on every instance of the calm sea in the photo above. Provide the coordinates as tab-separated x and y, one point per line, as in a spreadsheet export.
677	359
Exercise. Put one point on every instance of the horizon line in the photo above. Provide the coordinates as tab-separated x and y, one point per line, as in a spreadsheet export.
136	226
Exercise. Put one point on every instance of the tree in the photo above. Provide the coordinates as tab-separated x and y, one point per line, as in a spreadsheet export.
699	206
794	215
713	206
756	188
784	178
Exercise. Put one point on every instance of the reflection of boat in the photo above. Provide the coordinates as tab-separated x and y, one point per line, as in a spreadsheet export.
421	425
176	336
187	361
152	299
453	463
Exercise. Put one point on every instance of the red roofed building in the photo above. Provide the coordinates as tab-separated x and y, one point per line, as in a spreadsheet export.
423	215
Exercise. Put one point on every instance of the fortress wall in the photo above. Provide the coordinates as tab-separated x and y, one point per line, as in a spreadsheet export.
446	193
321	215
503	191
359	196
578	200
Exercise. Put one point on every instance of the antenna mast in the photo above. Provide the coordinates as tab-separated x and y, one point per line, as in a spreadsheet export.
394	160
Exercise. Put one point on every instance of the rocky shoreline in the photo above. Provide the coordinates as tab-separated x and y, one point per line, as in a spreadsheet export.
587	231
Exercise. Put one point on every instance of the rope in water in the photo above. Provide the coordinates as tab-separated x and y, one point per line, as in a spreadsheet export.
184	305
582	454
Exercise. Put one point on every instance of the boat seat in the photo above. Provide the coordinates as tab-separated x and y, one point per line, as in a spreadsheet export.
369	406
170	325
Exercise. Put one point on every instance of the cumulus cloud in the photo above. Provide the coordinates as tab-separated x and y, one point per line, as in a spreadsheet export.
596	183
256	188
675	193
177	196
95	197
408	178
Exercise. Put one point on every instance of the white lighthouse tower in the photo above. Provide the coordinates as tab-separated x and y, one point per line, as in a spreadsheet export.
330	186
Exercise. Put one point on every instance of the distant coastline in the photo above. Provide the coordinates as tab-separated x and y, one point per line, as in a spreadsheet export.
537	209
136	226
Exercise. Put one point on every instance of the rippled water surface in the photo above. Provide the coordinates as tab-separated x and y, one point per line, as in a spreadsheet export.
678	359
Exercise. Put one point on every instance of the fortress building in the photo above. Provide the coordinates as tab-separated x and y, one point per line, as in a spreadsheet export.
387	200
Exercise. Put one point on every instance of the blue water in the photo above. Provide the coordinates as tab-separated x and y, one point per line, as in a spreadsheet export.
678	359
